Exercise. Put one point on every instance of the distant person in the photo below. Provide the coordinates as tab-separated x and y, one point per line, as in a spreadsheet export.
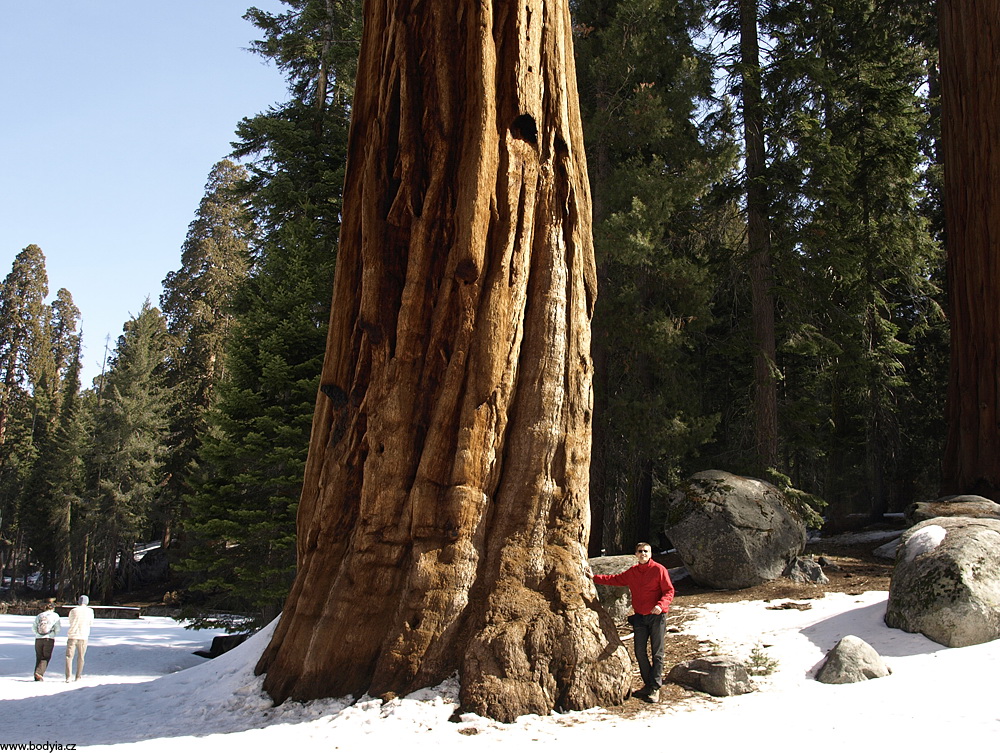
652	592
45	628
80	620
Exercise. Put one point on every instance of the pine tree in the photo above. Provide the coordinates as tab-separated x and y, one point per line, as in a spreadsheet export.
56	486
22	322
47	490
925	326
242	528
843	85
125	463
243	508
23	325
197	303
655	149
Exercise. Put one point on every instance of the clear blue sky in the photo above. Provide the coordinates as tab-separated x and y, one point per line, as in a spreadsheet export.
114	111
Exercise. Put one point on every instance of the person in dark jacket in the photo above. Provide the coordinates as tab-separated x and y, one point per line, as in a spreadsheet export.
649	583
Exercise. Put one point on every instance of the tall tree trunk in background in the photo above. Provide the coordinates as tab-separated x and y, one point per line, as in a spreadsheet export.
600	174
765	399
970	89
596	546
6	393
644	503
444	512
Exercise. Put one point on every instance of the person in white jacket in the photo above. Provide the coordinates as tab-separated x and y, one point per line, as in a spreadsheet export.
80	620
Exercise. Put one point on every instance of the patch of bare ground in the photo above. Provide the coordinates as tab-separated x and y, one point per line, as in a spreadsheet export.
853	570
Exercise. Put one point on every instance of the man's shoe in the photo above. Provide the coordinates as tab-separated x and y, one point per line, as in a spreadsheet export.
38	678
641	692
653	696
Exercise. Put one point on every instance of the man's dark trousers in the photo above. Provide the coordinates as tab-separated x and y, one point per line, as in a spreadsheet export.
649	629
43	652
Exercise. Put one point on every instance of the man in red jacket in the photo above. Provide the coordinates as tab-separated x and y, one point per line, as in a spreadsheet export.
652	592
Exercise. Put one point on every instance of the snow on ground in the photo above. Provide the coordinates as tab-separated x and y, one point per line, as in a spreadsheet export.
144	688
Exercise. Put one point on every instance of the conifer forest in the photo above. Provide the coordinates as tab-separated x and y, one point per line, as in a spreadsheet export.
768	217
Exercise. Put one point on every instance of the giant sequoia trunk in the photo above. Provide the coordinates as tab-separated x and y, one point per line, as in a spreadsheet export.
444	513
970	90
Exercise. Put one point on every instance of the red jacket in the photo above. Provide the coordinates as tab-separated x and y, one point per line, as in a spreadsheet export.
649	584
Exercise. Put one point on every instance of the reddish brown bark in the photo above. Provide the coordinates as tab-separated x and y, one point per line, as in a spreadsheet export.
444	514
970	90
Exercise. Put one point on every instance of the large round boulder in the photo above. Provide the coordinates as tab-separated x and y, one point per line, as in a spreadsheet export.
946	581
732	531
617	600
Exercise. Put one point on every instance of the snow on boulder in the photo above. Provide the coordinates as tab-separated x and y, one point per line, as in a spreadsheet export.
927	539
946	582
851	660
732	531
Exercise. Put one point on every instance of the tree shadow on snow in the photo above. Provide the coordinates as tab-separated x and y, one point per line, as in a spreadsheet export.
116	660
868	623
117	713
